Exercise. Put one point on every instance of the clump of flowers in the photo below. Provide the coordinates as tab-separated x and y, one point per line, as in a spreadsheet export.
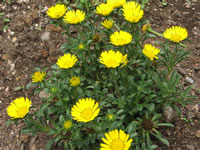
109	94
150	51
175	34
74	81
116	140
120	38
104	9
19	108
66	61
107	24
85	110
56	11
112	59
74	16
132	11
38	76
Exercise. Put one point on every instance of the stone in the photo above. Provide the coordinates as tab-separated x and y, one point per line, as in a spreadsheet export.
197	115
189	80
44	94
53	27
14	40
169	114
197	133
45	36
190	147
190	115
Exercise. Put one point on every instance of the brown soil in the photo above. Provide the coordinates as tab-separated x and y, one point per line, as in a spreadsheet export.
22	49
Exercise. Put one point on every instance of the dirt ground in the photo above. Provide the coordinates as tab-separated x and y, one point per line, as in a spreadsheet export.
30	41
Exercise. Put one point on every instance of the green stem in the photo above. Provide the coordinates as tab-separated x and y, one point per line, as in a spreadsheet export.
116	26
37	124
154	32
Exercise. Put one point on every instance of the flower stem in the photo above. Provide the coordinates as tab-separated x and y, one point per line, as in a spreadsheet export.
37	124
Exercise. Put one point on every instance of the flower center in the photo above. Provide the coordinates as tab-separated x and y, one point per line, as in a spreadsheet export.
22	112
176	37
86	113
117	145
111	63
75	19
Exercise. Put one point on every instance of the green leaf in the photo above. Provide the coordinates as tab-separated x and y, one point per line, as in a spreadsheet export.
160	138
49	144
165	124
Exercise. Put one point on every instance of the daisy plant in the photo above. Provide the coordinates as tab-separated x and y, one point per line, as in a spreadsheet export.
107	88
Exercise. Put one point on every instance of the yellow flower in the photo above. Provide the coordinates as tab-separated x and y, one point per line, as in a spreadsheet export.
116	140
104	9
74	17
19	108
110	116
175	34
116	3
107	24
120	38
66	61
111	59
145	27
56	11
81	46
132	11
38	76
150	51
75	81
67	124
85	110
124	60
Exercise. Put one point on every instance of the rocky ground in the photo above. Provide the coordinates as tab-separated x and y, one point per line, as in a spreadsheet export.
29	41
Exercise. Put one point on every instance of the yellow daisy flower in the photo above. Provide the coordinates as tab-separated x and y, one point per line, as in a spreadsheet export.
75	81
175	34
85	110
111	59
38	76
104	9
124	60
67	124
120	38
110	116
132	11
74	17
19	108
116	3
81	46
66	61
116	140
56	11
145	27
107	24
150	51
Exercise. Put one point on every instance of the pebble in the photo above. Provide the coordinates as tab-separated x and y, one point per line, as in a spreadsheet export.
197	115
189	80
44	94
169	114
190	115
14	39
45	36
181	71
197	134
190	147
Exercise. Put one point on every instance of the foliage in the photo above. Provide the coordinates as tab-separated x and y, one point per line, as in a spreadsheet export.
128	88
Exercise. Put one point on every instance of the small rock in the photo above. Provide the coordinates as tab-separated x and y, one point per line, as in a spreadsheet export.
14	39
169	114
189	80
53	27
197	115
32	144
4	57
197	134
190	147
196	68
181	71
27	20
44	94
45	36
190	115
197	46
